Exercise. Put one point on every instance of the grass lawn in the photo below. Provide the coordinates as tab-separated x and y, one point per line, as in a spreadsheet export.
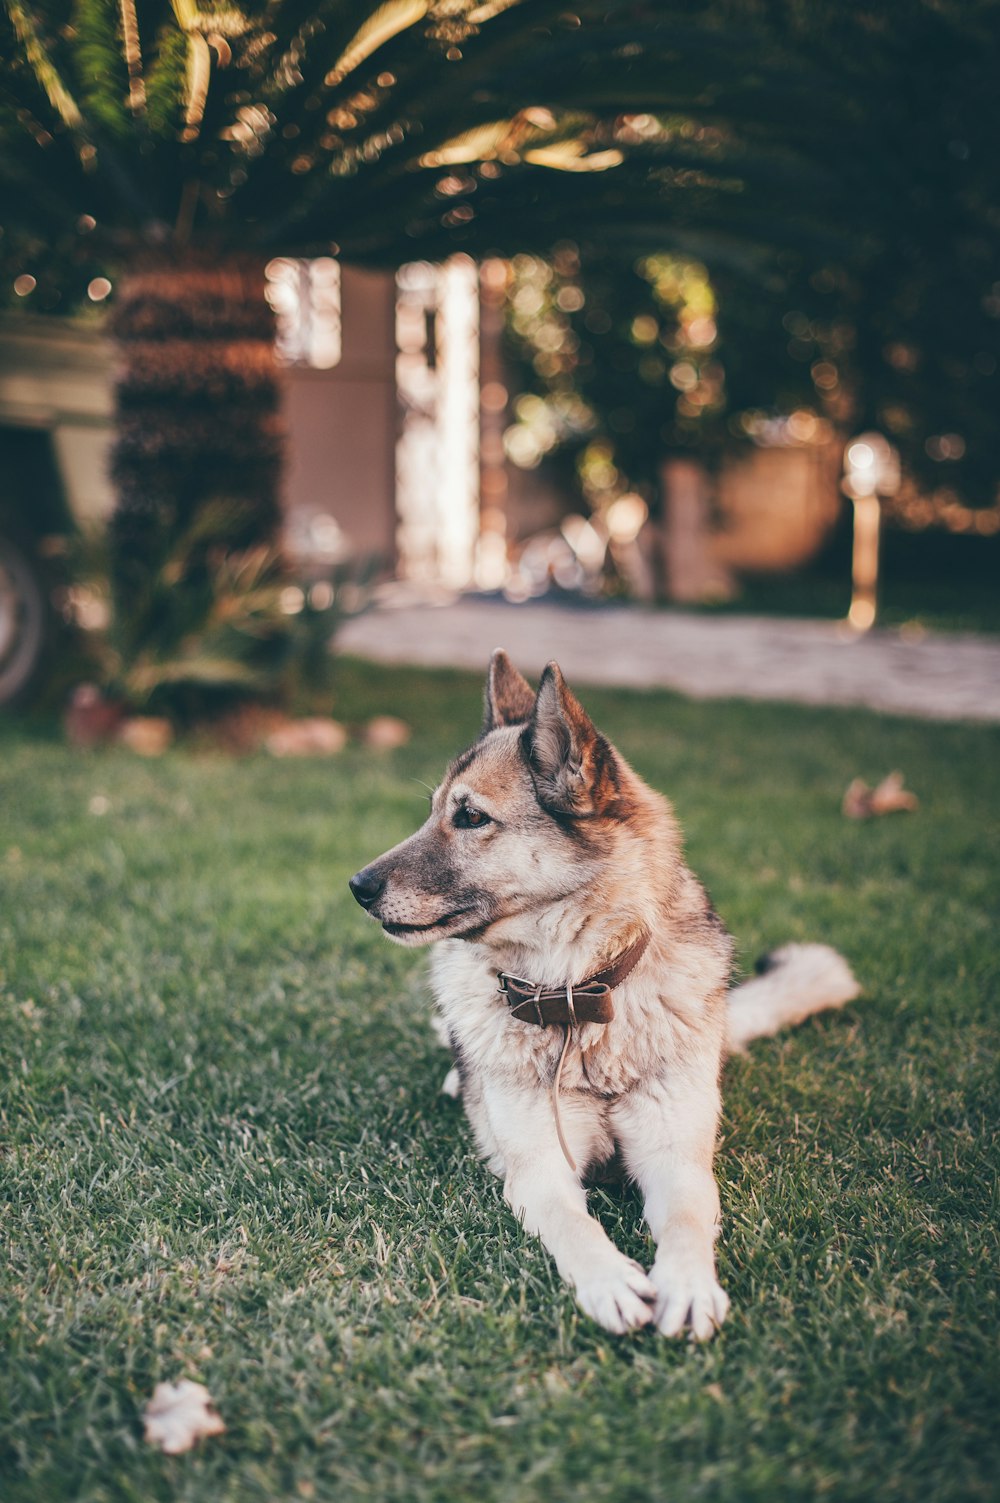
224	1154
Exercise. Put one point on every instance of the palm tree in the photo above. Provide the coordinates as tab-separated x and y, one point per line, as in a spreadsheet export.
185	142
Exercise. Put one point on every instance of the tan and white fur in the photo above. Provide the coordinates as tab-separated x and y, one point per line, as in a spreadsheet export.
545	856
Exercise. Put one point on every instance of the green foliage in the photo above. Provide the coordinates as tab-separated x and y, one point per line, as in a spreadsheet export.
827	163
621	366
101	67
212	624
165	80
225	1154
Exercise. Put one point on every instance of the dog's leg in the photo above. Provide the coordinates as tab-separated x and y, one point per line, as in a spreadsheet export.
667	1136
545	1194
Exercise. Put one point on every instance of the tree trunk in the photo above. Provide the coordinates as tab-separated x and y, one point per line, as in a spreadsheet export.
196	460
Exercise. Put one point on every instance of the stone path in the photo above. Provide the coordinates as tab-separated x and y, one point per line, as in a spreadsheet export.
939	677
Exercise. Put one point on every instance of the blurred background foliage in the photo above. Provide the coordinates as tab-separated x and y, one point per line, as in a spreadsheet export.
778	211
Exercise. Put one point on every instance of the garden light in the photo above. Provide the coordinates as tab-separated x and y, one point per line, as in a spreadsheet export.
871	470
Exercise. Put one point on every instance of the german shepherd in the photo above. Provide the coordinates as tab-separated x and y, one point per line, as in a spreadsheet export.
582	982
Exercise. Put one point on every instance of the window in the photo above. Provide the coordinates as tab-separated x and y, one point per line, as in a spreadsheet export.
305	297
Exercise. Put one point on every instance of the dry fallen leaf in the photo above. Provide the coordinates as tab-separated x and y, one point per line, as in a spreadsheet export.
179	1414
857	800
889	797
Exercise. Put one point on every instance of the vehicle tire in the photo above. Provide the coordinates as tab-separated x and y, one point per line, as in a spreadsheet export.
23	620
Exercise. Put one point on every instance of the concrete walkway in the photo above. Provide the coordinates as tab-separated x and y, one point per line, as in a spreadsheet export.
938	677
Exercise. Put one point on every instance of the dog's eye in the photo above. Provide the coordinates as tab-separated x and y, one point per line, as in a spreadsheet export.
469	819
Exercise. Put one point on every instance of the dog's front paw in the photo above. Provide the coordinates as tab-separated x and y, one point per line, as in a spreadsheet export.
616	1293
688	1298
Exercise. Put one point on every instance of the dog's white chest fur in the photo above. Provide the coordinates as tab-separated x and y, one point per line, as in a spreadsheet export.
659	1016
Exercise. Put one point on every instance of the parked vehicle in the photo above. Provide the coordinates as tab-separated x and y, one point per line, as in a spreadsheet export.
34	525
23	620
55	407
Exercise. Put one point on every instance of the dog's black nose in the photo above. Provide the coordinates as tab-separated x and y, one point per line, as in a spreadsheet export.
365	887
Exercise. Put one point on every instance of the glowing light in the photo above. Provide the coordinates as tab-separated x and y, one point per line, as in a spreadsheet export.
326	537
803	426
494	397
871	467
861	456
864	562
945	446
701	332
625	518
522	447
321	595
494	274
645	329
305	298
452	184
683	375
585	541
570	299
862	614
292	600
98	289
24	284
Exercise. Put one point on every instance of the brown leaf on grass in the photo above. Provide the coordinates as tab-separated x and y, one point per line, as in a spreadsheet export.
888	797
178	1415
857	801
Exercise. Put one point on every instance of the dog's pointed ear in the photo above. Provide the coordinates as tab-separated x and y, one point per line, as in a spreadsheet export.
509	699
574	767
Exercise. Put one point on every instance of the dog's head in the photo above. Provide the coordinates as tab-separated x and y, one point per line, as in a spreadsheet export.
522	820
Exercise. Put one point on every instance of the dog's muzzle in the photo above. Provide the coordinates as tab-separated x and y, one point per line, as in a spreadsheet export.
366	888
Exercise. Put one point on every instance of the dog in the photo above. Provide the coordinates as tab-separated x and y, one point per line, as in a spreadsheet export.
582	981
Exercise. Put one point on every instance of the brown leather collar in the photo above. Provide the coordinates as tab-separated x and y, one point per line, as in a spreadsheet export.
590	1002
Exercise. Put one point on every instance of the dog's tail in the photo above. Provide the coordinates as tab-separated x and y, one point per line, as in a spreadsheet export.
791	983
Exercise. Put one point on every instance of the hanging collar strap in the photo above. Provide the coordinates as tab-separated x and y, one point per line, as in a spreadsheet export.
589	1002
